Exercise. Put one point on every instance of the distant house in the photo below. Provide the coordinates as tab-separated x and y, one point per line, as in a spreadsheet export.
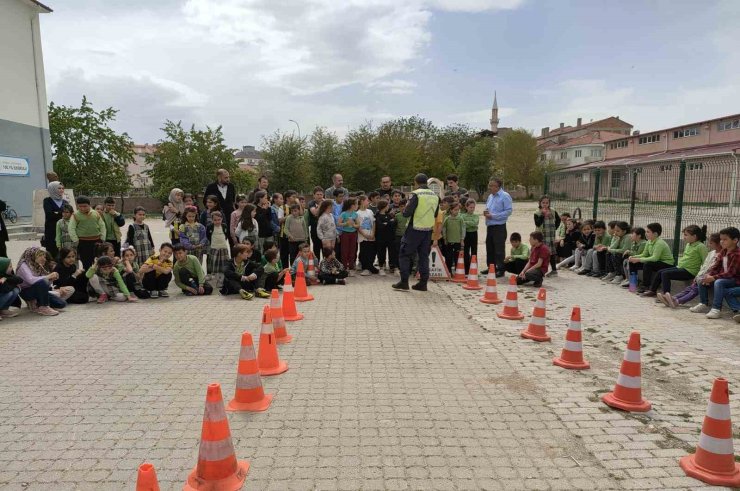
136	170
249	158
580	150
564	133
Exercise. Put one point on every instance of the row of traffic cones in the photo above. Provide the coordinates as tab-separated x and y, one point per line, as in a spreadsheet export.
714	459
218	467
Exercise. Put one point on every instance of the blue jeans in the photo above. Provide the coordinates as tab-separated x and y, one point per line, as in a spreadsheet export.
720	287
39	291
7	299
731	297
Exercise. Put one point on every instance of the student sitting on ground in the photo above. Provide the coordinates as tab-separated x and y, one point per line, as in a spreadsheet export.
105	282
131	273
241	274
601	242
157	272
518	256
304	256
37	280
656	256
331	270
688	264
9	289
723	275
692	291
273	273
615	253
584	243
188	273
71	276
638	239
539	261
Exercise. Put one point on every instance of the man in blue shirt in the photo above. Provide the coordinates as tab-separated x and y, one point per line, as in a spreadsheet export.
498	209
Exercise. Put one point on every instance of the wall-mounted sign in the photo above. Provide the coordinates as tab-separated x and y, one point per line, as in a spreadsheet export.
14	166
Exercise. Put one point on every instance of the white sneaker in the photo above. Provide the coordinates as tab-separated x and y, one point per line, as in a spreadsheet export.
700	308
351	272
365	273
714	314
574	267
382	272
617	280
608	277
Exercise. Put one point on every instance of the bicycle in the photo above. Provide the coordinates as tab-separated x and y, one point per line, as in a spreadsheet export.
8	213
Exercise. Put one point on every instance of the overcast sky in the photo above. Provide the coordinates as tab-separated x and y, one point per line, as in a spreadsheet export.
252	65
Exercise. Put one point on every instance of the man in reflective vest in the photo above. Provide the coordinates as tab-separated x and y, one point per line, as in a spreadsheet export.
422	207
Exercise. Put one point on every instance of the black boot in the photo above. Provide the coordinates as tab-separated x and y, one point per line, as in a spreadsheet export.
401	286
420	286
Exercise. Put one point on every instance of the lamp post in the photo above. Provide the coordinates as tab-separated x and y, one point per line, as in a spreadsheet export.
298	126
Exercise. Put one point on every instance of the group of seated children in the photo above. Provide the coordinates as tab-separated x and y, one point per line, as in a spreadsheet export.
616	253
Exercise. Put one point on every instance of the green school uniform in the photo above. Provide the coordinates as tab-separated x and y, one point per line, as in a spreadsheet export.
693	257
453	229
656	250
521	252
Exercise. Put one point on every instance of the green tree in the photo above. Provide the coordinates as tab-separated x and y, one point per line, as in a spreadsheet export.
287	159
325	156
88	154
518	157
188	159
476	164
244	181
453	139
360	165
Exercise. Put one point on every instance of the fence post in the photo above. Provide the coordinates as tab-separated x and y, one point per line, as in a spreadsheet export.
597	185
633	197
679	209
546	184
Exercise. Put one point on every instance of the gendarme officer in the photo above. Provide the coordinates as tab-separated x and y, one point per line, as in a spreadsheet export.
422	207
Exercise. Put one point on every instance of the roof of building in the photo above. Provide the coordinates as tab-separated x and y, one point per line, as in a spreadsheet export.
248	153
673	155
591	138
40	6
721	118
610	122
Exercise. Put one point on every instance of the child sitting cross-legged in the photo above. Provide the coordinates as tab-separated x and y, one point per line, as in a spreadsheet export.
304	256
331	270
539	261
131	273
71	276
692	291
722	276
519	255
106	283
157	271
273	273
188	273
241	274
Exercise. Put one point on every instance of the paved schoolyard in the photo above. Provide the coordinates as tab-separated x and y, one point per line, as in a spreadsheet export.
385	390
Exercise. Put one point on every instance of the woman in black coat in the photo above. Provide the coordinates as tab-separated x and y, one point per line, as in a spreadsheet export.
52	214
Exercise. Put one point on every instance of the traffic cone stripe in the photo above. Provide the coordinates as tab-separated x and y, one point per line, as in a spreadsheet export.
720	446
216	450
718	411
629	382
214	412
572	345
460	269
246	382
247	353
511	303
632	356
287	288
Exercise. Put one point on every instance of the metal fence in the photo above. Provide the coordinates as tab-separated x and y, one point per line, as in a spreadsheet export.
674	193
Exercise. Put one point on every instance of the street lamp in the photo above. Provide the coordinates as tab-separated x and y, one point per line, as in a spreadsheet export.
298	126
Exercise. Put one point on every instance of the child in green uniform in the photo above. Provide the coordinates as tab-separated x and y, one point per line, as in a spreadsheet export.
470	245
656	256
453	234
519	255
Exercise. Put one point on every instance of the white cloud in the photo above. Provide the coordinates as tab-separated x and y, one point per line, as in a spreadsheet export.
395	86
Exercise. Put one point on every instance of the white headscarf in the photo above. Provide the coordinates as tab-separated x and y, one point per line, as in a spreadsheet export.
55	193
169	215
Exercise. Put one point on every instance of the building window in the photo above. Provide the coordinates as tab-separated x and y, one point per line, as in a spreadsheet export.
728	125
686	132
596	152
543	157
579	153
649	139
619	144
666	168
696	166
585	176
616	179
563	155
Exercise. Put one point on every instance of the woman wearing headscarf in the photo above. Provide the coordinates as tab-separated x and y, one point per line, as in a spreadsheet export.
173	214
52	214
33	268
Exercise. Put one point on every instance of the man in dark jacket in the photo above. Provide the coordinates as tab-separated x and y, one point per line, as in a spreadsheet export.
224	190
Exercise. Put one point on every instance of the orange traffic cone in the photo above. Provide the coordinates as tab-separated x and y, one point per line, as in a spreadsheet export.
491	294
147	478
473	283
627	394
267	357
537	328
289	309
459	269
301	290
511	304
572	354
249	394
278	321
311	273
714	460
217	465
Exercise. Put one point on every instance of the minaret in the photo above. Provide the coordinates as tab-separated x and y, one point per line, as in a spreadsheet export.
494	115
